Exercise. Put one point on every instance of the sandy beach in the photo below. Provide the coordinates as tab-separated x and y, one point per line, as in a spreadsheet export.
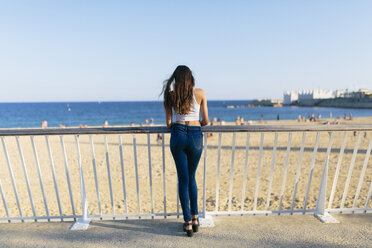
170	172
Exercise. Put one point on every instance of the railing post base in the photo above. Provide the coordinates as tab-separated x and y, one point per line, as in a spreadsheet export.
206	221
326	218
320	210
80	224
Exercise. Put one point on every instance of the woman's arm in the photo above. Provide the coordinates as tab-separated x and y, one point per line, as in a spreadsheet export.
204	109
168	118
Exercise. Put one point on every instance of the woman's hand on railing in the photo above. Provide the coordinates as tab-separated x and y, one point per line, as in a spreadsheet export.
169	125
203	123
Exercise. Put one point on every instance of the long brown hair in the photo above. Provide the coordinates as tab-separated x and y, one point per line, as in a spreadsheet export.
181	96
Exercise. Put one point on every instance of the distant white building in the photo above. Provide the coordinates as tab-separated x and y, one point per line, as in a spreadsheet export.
290	96
306	95
315	94
340	93
309	97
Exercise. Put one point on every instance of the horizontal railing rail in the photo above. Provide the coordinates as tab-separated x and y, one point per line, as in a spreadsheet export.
163	129
254	170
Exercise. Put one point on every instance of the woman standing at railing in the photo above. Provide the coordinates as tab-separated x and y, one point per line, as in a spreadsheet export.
186	141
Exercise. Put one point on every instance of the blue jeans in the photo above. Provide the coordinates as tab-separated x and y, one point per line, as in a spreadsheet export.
186	145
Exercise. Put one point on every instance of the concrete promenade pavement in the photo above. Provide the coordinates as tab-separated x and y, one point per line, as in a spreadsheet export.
249	231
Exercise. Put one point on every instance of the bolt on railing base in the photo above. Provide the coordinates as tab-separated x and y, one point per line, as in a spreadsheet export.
80	224
206	221
326	218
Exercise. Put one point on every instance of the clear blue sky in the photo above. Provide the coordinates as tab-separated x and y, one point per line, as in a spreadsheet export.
122	51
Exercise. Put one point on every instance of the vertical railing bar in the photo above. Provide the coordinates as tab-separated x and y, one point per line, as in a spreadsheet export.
136	171
350	169
95	174
150	172
54	176
67	174
369	196
109	175
338	167
321	199
4	200
123	173
271	171
205	174
285	170
12	177
258	172
40	177
298	171
363	172
315	151
218	171
26	176
164	189
232	171
245	171
84	200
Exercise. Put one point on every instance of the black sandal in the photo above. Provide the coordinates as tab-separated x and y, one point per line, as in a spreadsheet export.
195	228
188	232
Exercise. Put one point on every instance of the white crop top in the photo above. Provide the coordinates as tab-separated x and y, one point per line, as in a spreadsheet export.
193	115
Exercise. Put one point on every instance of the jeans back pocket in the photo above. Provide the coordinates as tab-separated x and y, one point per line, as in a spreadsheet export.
173	139
197	141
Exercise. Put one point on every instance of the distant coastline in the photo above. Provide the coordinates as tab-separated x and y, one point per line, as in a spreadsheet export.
357	103
344	98
354	103
361	99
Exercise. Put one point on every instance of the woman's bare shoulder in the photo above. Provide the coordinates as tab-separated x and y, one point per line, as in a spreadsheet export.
199	95
199	92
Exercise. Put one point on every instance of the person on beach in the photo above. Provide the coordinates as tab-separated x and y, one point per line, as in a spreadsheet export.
241	120
44	124
105	124
159	139
186	142
237	121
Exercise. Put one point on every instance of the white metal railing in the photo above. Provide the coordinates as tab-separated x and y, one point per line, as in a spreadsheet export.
244	165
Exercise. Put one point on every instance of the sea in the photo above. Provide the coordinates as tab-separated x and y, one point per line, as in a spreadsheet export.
72	114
